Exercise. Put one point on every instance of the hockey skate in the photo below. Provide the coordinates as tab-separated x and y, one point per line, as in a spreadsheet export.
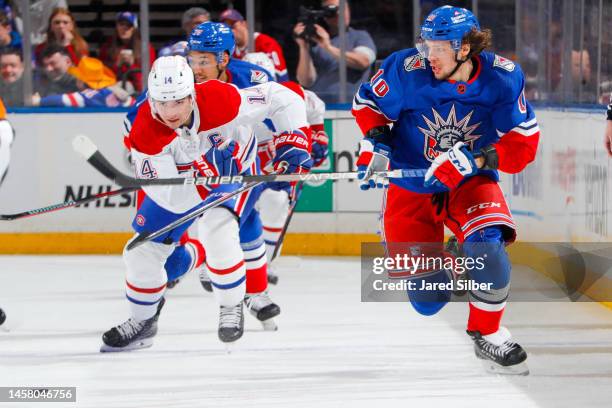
231	323
205	279
261	306
131	334
499	354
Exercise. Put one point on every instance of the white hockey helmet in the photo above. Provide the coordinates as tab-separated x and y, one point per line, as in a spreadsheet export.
261	59
170	79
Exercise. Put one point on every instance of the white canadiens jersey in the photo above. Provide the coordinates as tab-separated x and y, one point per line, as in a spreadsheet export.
6	139
222	113
315	110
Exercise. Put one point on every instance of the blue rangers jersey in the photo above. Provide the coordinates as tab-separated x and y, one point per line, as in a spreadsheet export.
96	98
429	116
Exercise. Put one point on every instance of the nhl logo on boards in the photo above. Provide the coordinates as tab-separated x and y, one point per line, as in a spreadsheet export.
503	63
259	77
442	134
414	62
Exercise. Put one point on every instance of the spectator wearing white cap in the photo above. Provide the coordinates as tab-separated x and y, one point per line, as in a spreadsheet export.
122	51
263	42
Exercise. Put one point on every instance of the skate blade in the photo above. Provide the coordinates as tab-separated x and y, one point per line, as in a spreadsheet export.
269	325
494	368
141	344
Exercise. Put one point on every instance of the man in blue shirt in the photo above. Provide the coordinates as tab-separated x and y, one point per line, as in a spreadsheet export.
318	64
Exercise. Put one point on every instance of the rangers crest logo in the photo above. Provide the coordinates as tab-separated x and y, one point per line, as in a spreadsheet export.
442	134
503	63
258	77
414	62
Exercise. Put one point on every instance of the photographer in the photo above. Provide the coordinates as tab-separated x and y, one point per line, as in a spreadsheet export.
319	55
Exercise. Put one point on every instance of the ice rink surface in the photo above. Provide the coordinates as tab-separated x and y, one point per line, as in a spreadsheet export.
331	350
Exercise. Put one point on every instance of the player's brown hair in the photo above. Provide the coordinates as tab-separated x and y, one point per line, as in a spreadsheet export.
479	40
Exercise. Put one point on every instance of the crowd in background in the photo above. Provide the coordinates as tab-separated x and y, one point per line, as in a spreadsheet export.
69	71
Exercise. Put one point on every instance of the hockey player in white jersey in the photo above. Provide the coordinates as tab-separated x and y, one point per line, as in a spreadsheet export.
6	140
276	200
183	129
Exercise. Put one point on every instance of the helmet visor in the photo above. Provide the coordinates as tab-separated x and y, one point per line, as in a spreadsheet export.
434	48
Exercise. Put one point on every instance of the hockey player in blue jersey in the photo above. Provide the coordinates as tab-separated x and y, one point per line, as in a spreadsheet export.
208	46
459	112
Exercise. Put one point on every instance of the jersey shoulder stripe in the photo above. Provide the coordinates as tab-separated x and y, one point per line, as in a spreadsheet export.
218	103
149	136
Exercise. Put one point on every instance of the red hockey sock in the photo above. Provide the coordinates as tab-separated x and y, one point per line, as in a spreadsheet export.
484	321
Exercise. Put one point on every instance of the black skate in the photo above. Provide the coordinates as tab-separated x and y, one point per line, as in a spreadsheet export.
231	323
205	279
132	334
502	356
261	306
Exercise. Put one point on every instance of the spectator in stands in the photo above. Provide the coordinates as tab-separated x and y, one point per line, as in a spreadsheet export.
98	87
122	51
318	64
40	14
11	70
263	43
63	31
8	37
191	18
55	63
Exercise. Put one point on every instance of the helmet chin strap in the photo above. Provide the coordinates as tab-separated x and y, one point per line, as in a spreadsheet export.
459	63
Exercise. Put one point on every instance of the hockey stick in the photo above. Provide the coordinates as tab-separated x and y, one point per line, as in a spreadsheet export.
148	236
66	204
84	146
281	237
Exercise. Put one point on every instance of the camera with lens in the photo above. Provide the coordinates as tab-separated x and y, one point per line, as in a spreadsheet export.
310	17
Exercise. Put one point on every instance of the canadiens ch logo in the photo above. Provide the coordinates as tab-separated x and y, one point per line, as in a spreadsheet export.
215	139
442	134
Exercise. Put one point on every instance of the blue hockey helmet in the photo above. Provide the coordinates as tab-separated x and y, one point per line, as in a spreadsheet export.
212	37
450	24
